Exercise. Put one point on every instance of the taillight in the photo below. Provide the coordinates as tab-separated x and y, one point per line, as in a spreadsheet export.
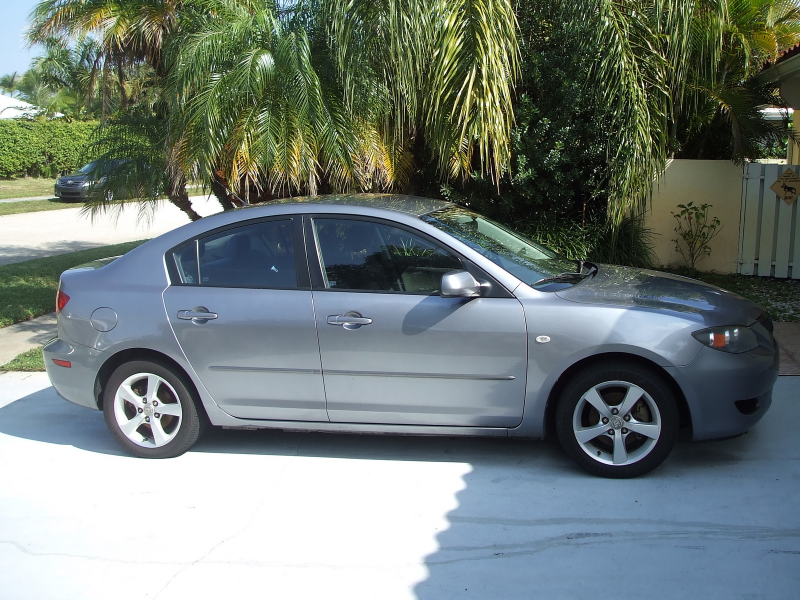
61	300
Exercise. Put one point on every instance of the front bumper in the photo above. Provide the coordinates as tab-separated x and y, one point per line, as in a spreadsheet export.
727	393
75	383
74	192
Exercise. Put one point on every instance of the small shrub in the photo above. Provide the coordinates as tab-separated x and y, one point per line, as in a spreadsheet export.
695	229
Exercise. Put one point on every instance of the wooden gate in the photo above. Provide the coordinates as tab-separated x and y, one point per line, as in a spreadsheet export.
769	232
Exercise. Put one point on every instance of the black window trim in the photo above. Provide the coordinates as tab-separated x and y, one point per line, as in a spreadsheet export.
300	260
496	289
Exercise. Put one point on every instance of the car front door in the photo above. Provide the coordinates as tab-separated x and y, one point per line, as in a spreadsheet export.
393	350
240	306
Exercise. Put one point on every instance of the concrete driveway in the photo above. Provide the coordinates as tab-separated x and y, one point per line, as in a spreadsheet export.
256	514
33	235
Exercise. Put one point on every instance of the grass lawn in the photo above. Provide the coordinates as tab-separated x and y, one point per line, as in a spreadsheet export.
28	289
26	187
32	360
779	297
29	206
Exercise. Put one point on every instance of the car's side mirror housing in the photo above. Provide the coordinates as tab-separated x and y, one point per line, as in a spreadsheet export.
460	284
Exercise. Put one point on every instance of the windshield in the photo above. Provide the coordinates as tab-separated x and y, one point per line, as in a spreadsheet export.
526	260
87	169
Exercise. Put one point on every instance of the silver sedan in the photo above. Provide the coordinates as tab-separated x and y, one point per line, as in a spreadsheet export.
398	314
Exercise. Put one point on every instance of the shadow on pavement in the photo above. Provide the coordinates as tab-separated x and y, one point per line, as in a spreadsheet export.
716	520
44	416
14	254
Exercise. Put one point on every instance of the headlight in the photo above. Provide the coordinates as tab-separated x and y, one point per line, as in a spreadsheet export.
729	338
86	183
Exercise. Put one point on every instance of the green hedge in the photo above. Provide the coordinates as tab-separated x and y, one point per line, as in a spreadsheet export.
42	148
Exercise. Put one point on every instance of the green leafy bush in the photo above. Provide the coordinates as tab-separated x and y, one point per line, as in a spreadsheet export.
630	245
42	148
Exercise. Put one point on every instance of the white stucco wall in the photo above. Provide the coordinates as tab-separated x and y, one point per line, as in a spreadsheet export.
715	182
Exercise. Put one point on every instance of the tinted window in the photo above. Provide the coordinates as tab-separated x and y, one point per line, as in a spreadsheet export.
255	256
362	255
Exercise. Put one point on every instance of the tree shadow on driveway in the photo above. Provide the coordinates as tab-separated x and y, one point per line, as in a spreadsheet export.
716	520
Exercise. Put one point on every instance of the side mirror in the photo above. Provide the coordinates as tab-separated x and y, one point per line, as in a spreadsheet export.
460	284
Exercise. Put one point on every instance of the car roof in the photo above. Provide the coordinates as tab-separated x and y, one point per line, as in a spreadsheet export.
411	205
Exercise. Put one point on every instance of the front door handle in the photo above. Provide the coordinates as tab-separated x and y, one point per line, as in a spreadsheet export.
198	315
350	320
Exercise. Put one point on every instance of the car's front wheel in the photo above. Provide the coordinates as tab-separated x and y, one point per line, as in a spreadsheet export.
150	411
617	420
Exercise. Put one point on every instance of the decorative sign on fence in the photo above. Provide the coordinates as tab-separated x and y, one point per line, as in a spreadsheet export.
787	186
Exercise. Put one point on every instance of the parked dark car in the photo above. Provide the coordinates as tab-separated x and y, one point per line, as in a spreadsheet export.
404	315
82	183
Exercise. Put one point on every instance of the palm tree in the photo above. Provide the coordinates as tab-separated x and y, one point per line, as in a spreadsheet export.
125	35
335	95
720	116
72	71
252	111
272	96
8	83
442	74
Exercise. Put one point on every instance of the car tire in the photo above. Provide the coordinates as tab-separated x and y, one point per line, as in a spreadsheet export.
150	410
617	420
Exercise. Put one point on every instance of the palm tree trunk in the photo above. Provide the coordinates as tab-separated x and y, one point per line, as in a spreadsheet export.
180	198
123	97
220	190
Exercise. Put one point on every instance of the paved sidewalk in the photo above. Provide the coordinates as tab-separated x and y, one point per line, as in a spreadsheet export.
53	197
27	199
21	337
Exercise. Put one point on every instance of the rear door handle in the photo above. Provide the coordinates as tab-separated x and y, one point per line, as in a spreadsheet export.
351	320
199	315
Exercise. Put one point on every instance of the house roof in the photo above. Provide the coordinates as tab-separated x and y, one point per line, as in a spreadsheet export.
784	56
14	108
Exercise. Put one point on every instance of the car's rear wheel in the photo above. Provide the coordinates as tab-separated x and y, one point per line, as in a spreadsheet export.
150	410
617	420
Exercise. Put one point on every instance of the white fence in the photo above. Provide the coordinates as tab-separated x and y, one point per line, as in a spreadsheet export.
769	228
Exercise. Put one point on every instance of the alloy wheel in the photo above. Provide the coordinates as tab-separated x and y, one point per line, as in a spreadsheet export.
616	423
147	410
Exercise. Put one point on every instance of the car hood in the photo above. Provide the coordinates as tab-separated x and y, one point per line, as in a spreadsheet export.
640	288
75	177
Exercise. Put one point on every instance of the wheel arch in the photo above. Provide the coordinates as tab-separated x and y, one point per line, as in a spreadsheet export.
129	354
684	412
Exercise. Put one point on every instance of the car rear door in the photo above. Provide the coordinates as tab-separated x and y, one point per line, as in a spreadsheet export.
240	306
393	350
